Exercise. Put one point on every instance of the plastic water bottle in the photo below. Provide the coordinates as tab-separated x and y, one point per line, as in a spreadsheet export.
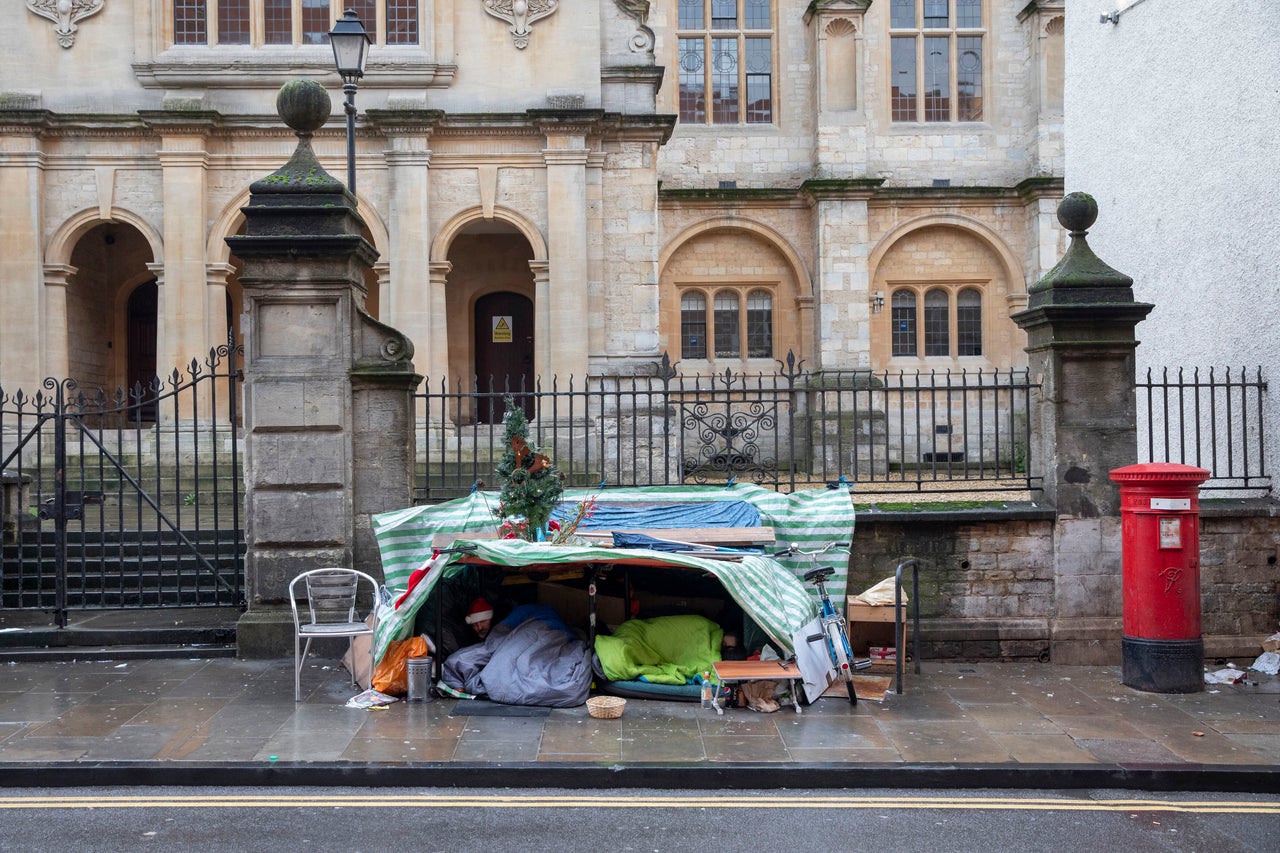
706	690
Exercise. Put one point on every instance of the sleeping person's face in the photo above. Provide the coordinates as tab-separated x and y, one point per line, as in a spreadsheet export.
481	628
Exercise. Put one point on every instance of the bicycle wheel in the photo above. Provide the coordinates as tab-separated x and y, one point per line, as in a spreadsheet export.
839	645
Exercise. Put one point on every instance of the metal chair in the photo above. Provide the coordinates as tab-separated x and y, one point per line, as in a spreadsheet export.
331	604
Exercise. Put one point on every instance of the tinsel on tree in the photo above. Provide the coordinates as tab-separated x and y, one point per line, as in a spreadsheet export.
531	484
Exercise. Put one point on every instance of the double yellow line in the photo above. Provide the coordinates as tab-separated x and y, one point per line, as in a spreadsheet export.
757	801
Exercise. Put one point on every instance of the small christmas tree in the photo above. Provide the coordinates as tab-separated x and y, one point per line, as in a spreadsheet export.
531	484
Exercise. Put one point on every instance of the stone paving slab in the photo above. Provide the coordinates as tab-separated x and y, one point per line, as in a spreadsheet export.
225	716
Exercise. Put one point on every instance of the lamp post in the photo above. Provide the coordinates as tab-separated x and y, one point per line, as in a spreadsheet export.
350	50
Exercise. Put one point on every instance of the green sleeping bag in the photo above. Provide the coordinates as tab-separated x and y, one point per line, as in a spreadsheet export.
665	650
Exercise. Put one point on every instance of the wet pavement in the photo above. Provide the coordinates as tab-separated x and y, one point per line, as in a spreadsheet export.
229	721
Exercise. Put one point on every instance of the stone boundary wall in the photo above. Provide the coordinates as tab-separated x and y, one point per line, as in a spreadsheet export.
987	587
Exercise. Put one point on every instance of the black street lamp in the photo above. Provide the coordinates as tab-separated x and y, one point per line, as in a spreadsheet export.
350	50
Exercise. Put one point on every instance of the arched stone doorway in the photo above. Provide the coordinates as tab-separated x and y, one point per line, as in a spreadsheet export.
111	303
491	292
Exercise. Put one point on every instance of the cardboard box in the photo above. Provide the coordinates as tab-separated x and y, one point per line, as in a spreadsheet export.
871	625
1272	643
651	602
574	605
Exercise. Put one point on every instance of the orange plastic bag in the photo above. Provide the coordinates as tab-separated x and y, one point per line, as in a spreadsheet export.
392	675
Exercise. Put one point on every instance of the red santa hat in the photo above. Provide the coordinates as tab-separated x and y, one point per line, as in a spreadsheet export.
479	611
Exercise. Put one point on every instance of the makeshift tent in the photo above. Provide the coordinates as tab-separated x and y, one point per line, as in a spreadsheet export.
768	590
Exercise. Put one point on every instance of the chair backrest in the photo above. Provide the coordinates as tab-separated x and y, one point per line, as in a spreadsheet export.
330	593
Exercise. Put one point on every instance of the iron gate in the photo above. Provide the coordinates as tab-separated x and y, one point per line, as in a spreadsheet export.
124	500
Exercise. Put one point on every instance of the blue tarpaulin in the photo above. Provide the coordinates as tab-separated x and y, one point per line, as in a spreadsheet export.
607	516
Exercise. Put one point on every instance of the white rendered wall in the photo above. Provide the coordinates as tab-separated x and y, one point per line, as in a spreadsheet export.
1172	121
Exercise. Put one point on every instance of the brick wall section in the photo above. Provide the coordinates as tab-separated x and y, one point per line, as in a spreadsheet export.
986	577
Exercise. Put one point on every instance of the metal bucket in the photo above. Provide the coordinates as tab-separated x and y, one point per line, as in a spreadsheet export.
419	678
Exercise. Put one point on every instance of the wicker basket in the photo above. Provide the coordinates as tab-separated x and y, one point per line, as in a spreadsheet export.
606	707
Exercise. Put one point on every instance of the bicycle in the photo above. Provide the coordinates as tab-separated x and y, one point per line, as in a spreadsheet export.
833	633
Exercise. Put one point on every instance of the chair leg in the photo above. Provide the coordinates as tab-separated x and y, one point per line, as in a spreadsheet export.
298	661
297	669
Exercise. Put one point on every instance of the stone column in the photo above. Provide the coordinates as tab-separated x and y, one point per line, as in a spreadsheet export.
23	361
438	345
836	338
407	302
183	322
542	317
56	353
328	390
566	311
1080	322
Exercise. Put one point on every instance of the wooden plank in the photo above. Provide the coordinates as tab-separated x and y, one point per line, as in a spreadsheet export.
755	670
717	536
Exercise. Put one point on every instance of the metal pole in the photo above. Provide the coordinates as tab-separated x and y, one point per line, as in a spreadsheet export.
349	89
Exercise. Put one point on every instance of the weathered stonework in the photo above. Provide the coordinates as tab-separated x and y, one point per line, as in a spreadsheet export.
992	583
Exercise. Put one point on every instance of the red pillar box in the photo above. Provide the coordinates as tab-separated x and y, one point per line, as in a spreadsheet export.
1162	650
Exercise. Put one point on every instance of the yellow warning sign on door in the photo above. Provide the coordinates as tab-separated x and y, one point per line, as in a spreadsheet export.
502	330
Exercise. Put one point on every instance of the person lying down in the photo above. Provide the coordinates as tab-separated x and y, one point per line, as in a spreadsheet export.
529	658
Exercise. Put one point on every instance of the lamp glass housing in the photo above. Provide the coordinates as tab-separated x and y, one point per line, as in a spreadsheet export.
350	45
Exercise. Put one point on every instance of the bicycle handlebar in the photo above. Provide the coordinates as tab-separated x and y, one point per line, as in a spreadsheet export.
795	550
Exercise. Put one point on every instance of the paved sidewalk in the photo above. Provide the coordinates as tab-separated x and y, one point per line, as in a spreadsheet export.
228	721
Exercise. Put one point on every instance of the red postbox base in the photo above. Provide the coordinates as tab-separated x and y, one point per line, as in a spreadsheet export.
1162	666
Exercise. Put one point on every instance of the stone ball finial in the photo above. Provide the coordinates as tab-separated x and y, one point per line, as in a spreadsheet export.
1077	212
304	105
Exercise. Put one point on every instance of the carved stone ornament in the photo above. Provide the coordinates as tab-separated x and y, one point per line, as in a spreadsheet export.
64	14
520	14
643	40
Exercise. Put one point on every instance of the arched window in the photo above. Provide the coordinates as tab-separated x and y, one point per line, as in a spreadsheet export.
969	322
759	324
903	317
693	325
951	325
937	323
728	340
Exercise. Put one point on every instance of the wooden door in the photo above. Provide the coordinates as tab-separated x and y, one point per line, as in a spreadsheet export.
140	330
504	353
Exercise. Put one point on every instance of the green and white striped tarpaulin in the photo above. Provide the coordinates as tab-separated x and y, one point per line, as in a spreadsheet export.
773	597
810	519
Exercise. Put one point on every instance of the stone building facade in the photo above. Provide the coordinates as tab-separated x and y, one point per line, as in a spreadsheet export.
553	189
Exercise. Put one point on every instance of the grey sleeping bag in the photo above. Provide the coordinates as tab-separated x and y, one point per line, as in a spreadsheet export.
531	664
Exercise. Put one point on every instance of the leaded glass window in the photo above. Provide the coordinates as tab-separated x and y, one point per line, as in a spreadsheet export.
937	323
288	22
969	322
725	50
902	308
936	60
728	341
190	22
693	325
759	324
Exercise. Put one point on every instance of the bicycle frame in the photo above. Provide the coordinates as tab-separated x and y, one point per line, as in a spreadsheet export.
839	652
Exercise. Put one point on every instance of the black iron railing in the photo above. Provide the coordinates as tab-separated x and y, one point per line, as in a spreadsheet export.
937	431
125	499
1210	419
